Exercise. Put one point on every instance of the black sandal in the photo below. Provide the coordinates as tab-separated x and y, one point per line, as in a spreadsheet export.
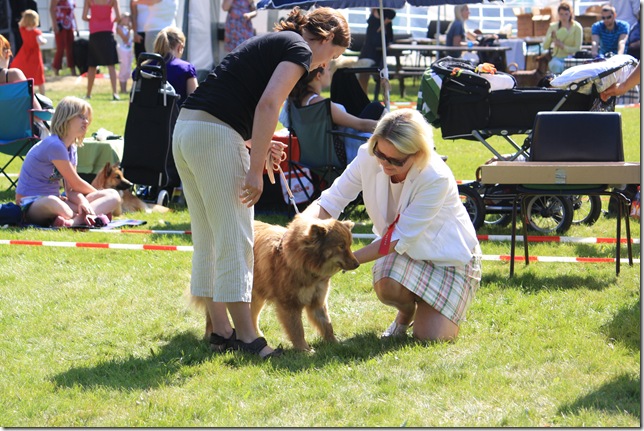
255	347
219	344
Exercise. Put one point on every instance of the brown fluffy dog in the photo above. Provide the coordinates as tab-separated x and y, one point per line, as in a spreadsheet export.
293	268
111	177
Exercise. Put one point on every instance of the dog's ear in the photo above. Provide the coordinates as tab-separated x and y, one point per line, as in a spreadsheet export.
348	223
318	231
107	169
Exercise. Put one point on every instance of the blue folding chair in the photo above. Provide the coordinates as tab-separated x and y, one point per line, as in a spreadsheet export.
16	120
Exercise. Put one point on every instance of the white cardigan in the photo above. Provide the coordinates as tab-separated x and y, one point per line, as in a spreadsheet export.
433	224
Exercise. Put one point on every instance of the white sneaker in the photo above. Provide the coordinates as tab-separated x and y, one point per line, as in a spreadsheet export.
395	330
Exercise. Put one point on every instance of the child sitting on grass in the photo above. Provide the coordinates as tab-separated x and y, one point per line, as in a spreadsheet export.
54	159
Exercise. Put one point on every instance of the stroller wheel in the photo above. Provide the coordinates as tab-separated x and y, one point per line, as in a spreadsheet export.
587	209
549	214
473	203
163	198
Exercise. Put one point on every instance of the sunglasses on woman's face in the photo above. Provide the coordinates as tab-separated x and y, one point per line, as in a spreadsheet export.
390	160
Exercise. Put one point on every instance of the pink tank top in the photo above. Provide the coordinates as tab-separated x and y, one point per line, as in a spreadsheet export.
101	18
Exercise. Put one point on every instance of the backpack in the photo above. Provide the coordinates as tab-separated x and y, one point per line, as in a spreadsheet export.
10	214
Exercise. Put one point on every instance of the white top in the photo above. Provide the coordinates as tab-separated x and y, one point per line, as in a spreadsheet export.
433	224
161	15
141	17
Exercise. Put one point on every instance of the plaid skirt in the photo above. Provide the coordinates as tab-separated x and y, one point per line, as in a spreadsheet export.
448	289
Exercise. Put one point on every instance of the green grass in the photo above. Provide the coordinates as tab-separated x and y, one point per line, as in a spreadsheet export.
104	338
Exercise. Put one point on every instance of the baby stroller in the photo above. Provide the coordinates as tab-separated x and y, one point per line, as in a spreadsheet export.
465	105
147	151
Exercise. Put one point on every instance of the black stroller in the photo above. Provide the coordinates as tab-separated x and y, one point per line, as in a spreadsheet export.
147	151
455	98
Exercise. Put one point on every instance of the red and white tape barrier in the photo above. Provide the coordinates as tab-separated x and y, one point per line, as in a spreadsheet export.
157	247
531	238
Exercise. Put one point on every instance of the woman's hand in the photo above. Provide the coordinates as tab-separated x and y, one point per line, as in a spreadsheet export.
252	189
278	152
85	208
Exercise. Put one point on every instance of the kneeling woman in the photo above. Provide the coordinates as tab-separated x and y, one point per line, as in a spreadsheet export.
428	259
54	159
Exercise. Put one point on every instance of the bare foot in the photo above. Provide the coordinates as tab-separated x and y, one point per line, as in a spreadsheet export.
62	222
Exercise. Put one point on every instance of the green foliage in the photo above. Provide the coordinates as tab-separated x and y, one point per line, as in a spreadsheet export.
105	338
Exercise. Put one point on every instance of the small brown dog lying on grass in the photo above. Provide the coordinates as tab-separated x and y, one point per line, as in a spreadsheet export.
293	268
111	177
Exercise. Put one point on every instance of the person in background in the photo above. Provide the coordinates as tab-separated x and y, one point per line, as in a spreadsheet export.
239	25
101	14
308	91
29	59
627	10
564	36
235	108
182	75
17	8
139	13
124	45
63	25
54	159
427	256
161	14
456	32
371	52
633	45
7	74
609	35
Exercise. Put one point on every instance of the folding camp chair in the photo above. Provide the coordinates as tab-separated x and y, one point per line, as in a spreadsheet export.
16	121
321	145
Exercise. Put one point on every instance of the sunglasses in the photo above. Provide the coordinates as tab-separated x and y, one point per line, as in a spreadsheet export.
390	160
607	17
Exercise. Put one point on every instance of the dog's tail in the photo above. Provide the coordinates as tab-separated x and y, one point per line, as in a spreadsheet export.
155	208
196	302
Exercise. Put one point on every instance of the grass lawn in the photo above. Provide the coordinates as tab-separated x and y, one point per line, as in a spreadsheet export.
104	337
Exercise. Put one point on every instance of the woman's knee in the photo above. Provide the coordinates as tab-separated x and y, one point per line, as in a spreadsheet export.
431	325
391	292
48	207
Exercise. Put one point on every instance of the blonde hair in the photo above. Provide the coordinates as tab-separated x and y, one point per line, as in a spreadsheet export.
407	131
458	11
320	23
29	18
124	15
4	44
69	108
167	40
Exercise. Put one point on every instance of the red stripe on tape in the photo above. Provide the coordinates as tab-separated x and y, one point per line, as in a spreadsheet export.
160	247
25	242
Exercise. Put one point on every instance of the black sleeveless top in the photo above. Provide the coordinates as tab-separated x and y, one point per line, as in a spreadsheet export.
232	90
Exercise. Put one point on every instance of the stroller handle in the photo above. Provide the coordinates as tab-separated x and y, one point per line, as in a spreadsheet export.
151	62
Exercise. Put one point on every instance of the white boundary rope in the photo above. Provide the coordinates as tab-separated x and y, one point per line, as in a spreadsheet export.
157	247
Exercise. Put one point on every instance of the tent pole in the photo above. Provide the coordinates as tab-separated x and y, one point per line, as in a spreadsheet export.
384	73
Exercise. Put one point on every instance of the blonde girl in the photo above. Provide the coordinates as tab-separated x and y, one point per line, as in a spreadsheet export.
54	159
29	57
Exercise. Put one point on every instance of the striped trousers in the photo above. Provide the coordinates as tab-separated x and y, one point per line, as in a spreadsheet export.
212	161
